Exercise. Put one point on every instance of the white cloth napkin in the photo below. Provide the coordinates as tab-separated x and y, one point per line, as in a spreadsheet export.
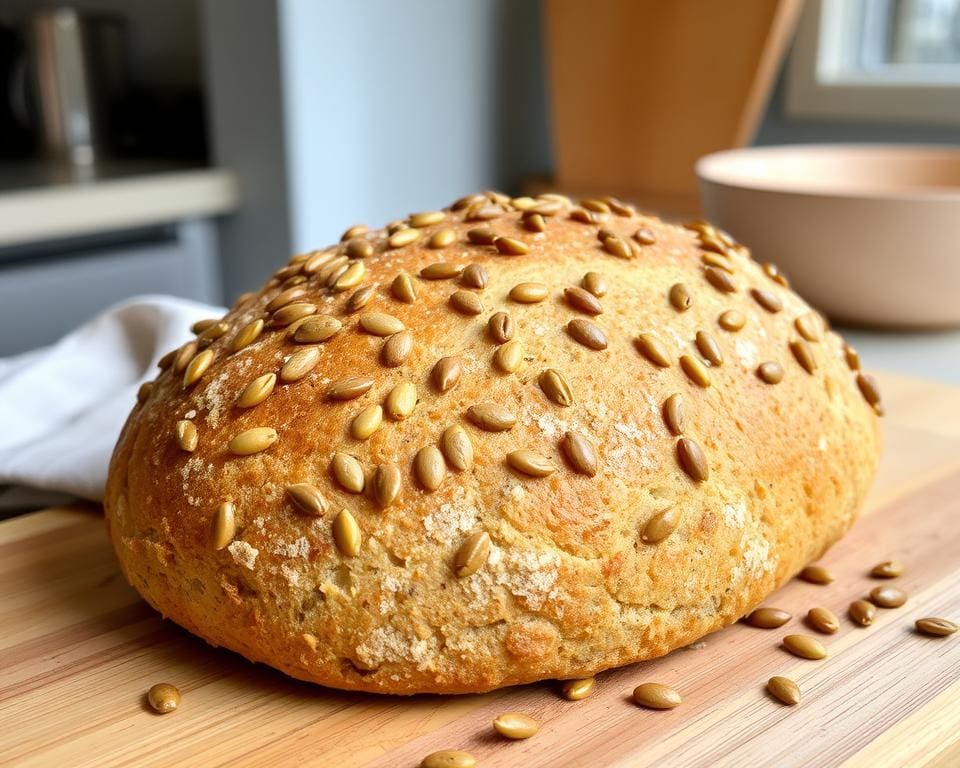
62	407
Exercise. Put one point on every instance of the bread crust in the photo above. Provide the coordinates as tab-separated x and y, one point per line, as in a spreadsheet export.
570	587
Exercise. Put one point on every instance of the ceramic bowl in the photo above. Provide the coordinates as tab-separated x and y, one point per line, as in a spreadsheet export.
869	234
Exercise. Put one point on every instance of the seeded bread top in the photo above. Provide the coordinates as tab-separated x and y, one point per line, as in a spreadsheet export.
515	439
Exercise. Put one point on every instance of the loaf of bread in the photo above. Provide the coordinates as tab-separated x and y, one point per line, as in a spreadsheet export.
514	440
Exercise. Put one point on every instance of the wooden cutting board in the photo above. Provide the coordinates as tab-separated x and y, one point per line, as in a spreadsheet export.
78	650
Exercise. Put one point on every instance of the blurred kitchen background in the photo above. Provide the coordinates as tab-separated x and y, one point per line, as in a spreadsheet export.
188	147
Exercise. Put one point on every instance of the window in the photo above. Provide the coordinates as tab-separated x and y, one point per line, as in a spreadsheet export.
891	60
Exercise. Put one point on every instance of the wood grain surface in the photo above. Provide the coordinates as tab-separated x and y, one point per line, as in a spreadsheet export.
78	650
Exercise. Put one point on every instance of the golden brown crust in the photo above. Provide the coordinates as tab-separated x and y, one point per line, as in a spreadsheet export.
575	581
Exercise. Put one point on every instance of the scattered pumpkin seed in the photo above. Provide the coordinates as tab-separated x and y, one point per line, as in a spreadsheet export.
317	329
767	299
366	422
582	300
257	390
197	367
351	277
143	393
709	349
773	272
442	238
401	400
587	333
862	613
823	620
472	554
252	441
581	453
397	348
307	498
695	370
533	220
481	236
349	387
692	459
595	283
348	471
645	236
446	373
936	626
783	689
403	237
359	249
380	323
403	288
223	527
426	218
804	355
508	357
656	696
852	357
387	482
770	372
888	569
501	327
346	534
720	280
868	388
291	313
732	320
529	293
449	758
808	327
887	596
674	414
510	246
491	417
661	525
355	231
575	690
515	725
285	297
247	335
361	297
466	302
815	574
653	349
475	276
680	297
457	447
617	246
530	463
163	698
429	467
555	387
805	646
187	435
299	364
202	325
767	618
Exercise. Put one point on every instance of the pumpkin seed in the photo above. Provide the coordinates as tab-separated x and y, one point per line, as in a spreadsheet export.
515	725
674	414
653	349
534	221
252	441
143	393
166	360
467	201
680	297
472	555
815	574
580	453
348	471
770	372
187	435
352	277
783	689
773	272
587	333
510	246
862	613
529	293
656	696
403	288
316	261
509	356
597	206
617	246
401	400
530	463
291	313
332	270
936	626
483	213
720	280
352	232
555	387
359	249
867	385
695	370
661	525
446	373
202	325
719	261
403	237
346	534
888	597
594	282
805	647
366	422
212	333
426	218
491	417
285	297
197	367
575	690
804	355
475	276
257	391
582	300
441	270
380	323
246	335
709	349
317	329
449	758
386	484
522	203
732	320
852	357
823	620
307	498
361	297
164	698
644	236
501	327
223	527
808	327
767	618
888	569
429	467
299	364
349	387
692	459
767	299
466	302
481	236
457	448
396	349
441	238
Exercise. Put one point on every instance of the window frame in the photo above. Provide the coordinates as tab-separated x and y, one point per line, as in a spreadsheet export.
821	84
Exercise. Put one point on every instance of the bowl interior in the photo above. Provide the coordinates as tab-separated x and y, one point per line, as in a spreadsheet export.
867	171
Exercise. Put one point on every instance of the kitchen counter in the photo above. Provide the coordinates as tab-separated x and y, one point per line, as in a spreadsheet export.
40	202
